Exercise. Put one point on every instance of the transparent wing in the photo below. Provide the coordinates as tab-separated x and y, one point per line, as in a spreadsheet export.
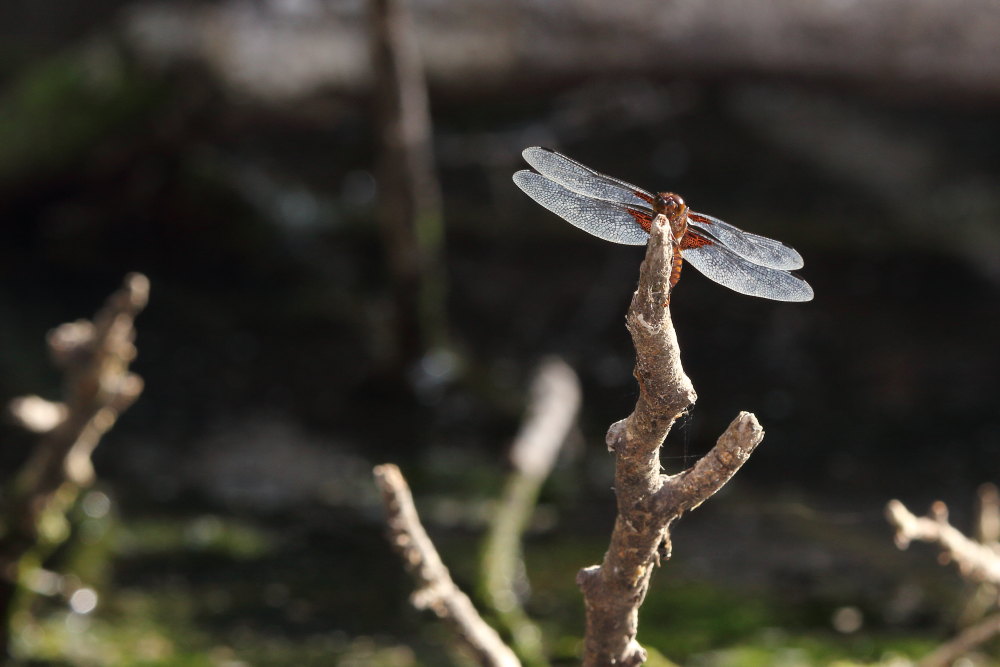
758	249
719	263
606	220
584	180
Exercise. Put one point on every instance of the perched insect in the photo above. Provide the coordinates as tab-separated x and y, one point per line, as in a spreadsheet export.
620	212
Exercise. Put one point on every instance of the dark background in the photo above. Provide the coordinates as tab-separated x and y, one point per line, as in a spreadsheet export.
226	150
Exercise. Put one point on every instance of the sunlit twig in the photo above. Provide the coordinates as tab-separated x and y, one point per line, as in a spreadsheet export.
649	501
435	589
94	357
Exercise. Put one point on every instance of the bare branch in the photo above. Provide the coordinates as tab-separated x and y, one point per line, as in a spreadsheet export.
648	502
968	639
435	589
555	399
988	514
975	561
694	486
94	357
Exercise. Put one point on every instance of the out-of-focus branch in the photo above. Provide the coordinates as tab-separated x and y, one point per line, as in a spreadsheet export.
648	501
555	400
435	589
968	639
976	562
987	531
94	357
988	514
409	202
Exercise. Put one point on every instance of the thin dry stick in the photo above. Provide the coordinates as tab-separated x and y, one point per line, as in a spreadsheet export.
409	204
435	589
988	514
555	399
648	501
987	525
976	562
967	640
94	357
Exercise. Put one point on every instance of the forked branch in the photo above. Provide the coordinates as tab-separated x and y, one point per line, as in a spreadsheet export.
649	501
977	561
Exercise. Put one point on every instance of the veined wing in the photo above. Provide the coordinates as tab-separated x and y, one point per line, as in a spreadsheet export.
758	249
717	262
608	220
583	180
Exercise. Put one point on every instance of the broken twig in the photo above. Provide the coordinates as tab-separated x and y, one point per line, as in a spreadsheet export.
435	589
94	358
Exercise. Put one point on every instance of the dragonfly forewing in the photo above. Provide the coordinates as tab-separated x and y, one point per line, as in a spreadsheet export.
584	180
607	220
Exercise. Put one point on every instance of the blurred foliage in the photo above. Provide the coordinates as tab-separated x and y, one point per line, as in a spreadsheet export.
59	108
187	592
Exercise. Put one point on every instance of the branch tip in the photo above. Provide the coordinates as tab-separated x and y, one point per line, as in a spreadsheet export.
976	561
616	433
137	289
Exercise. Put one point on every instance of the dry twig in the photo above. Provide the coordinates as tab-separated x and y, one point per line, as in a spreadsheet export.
94	357
968	639
976	562
435	589
988	514
648	501
555	399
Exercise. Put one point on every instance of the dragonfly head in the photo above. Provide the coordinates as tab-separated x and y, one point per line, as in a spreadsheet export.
670	205
673	207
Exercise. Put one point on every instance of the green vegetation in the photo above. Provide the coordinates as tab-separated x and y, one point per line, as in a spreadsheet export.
60	108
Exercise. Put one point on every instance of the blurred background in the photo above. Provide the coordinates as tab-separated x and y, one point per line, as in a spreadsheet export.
230	151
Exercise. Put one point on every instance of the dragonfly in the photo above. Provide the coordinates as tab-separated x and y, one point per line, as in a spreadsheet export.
620	212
